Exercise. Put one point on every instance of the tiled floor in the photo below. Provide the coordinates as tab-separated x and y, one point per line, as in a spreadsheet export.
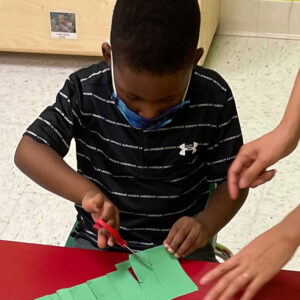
261	74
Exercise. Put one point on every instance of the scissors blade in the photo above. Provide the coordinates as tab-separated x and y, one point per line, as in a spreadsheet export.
141	259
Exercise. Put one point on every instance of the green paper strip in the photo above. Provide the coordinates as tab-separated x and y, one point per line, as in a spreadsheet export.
82	291
151	287
164	281
103	289
64	294
126	285
167	280
55	297
125	265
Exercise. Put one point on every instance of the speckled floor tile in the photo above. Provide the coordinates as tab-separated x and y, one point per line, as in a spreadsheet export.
9	202
45	219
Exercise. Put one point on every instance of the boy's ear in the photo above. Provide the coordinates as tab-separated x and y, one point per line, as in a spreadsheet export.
198	55
106	51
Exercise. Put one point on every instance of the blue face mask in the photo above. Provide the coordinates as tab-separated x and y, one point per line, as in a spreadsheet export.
142	123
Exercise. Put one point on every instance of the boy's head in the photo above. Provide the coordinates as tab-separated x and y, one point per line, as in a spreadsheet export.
154	46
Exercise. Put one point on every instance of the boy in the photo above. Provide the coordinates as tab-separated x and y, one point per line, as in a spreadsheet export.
152	131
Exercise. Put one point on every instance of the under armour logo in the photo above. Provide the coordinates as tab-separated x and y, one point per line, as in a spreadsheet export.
188	148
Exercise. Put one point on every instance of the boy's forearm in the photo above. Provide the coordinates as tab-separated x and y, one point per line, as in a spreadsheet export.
221	209
43	165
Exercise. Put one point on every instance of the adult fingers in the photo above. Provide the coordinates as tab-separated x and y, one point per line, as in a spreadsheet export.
253	288
240	281
222	284
235	172
263	178
219	270
252	173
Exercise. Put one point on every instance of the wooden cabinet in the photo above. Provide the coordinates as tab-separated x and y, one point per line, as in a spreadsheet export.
25	26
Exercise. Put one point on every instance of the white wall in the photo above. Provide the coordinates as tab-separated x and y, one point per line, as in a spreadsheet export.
260	18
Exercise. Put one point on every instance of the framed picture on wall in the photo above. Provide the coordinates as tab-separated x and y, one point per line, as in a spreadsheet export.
63	25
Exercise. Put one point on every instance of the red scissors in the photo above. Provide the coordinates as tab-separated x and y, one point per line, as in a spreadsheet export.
119	240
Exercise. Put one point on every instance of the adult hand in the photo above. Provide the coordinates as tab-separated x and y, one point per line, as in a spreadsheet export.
254	265
250	167
185	236
96	203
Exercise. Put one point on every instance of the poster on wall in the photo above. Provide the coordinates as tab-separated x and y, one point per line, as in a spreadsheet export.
63	25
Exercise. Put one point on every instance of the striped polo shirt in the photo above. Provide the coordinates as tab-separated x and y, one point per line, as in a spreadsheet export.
153	177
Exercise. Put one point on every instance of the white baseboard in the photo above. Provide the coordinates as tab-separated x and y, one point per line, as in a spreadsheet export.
261	34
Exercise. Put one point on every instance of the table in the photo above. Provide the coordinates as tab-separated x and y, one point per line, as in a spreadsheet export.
29	271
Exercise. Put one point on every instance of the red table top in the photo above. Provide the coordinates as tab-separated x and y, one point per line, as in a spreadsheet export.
29	271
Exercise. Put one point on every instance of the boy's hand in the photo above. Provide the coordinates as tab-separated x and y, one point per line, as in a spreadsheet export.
100	206
185	236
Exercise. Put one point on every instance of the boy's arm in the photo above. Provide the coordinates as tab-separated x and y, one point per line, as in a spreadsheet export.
190	233
47	168
47	140
220	210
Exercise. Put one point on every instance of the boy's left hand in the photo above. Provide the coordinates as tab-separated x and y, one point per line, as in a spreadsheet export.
185	236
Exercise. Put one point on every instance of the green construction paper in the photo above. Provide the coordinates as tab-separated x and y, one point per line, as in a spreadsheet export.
82	291
125	284
167	279
64	294
103	289
164	281
150	285
125	265
55	297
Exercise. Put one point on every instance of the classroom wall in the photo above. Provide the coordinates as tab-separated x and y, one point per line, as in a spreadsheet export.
268	18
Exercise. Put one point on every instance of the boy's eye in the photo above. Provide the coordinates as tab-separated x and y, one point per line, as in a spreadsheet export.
132	97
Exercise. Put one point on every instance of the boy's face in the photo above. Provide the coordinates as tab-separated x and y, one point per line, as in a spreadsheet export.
149	95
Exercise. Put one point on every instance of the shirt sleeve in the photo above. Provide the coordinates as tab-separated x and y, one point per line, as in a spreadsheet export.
54	126
226	141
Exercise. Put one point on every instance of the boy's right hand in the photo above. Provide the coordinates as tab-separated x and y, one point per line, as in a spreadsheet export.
96	203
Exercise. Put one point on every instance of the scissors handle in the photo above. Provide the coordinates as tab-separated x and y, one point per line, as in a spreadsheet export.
118	239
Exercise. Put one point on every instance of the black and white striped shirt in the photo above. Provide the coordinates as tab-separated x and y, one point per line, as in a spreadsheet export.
153	177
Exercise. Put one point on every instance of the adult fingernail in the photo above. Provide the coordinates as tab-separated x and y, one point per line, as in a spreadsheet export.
242	183
166	245
203	280
176	255
170	250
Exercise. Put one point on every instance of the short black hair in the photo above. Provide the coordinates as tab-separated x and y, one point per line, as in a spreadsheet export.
158	36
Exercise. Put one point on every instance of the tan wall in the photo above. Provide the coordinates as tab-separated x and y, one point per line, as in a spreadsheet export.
25	25
261	18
